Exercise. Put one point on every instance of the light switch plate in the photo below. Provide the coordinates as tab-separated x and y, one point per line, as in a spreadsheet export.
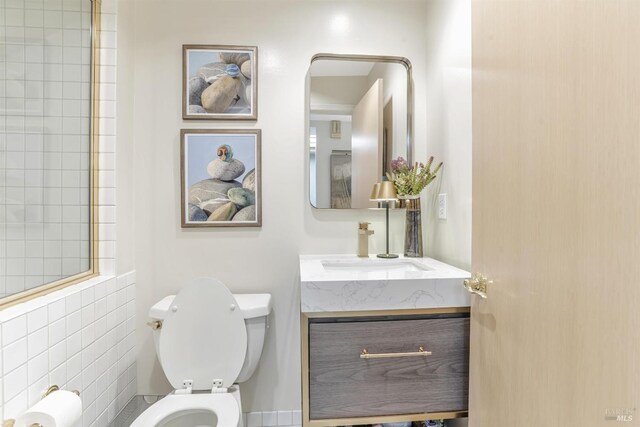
442	206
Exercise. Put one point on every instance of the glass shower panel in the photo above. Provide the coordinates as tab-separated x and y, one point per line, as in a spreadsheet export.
45	143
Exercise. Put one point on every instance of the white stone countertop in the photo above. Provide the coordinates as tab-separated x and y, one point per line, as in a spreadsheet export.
349	283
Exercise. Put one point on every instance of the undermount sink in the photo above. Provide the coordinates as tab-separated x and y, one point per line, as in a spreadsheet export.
367	265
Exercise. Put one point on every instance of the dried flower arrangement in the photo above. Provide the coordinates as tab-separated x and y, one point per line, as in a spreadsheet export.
410	181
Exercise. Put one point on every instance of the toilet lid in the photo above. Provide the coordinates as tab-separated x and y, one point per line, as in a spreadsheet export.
203	337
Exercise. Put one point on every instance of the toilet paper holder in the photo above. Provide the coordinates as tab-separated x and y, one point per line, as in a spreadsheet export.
53	388
11	422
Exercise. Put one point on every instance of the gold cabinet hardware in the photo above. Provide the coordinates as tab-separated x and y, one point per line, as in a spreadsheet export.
420	353
478	285
155	324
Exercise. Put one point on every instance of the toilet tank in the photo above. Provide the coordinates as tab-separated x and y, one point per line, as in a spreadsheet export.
254	307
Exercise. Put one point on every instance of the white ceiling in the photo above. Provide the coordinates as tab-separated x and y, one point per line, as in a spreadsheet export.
334	68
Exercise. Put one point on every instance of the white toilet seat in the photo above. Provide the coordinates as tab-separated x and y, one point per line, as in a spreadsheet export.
203	336
222	406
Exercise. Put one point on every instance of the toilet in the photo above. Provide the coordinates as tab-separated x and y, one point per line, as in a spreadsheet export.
207	340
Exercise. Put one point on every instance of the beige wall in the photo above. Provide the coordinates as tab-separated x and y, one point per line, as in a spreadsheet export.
343	91
124	139
395	90
448	134
288	34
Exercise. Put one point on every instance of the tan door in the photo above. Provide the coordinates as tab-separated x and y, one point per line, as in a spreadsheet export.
556	213
366	146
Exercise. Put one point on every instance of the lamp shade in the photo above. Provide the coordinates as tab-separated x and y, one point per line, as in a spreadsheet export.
384	191
374	192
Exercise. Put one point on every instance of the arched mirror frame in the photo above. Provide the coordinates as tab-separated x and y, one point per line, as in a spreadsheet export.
373	58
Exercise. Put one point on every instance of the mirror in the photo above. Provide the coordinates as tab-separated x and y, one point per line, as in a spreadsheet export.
359	110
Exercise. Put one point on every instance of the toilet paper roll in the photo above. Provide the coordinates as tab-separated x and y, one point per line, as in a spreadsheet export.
60	409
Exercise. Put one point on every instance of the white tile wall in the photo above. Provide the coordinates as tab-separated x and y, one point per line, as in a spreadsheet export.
44	150
272	419
107	130
82	337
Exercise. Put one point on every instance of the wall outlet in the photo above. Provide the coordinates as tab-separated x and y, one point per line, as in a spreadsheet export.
442	206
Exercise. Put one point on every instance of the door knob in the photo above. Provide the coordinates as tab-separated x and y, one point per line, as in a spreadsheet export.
478	285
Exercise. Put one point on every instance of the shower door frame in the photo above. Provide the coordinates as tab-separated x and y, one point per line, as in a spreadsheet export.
93	270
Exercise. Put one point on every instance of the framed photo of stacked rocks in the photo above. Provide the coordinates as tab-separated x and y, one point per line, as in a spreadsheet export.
221	178
220	82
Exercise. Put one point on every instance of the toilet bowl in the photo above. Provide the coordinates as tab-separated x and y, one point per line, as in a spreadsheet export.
201	410
207	340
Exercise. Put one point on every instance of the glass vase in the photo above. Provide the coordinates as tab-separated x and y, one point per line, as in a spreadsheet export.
413	227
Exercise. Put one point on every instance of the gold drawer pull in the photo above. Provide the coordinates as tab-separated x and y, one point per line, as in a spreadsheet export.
420	353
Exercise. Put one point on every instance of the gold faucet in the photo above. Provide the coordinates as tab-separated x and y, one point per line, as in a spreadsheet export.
363	239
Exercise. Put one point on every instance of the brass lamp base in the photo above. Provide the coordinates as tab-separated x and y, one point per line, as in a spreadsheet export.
387	256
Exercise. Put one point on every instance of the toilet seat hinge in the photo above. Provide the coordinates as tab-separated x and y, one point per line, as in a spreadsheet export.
187	387
216	387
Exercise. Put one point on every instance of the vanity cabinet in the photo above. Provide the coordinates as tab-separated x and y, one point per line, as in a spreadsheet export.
382	340
385	366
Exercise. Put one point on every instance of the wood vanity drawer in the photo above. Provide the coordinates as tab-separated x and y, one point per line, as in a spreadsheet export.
344	385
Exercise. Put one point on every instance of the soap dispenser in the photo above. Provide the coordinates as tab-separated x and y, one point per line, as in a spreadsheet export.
363	239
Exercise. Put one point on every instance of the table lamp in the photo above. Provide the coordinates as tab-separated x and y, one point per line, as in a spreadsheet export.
385	191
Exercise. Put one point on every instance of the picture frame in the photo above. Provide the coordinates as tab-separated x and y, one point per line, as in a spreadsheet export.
221	177
219	82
